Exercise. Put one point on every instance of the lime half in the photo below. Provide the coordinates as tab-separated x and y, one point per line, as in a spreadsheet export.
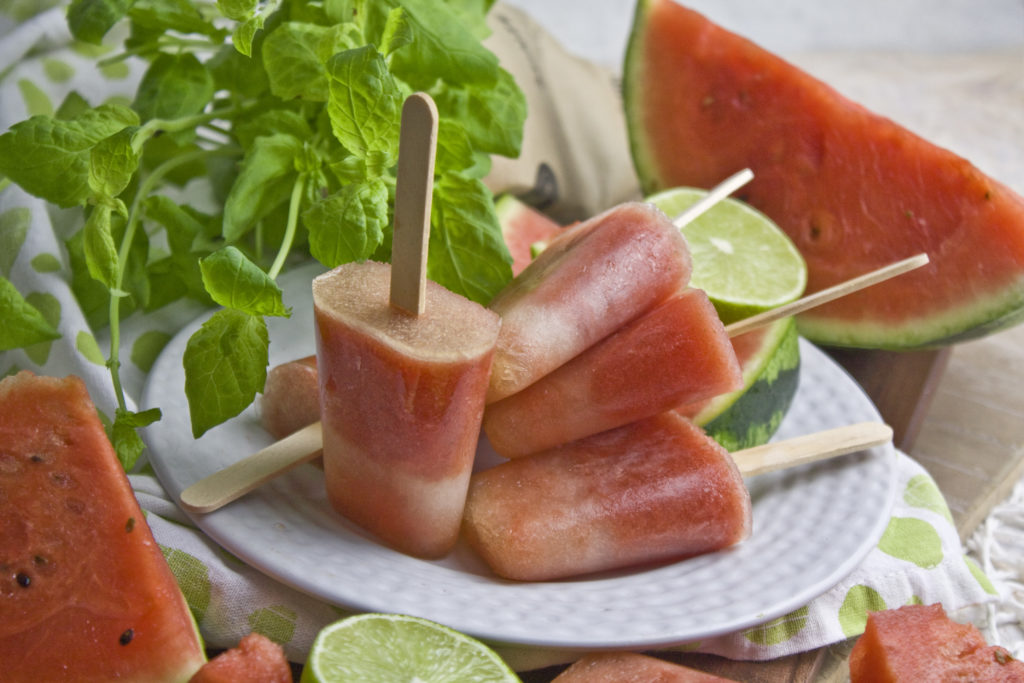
741	259
393	648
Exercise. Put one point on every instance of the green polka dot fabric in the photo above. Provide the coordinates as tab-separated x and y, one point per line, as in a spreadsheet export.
919	558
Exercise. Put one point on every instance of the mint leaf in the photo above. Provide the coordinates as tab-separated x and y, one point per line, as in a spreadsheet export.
466	253
294	55
231	70
397	31
264	182
454	150
23	324
236	282
493	117
49	157
225	367
441	46
269	122
126	441
245	32
112	163
181	226
365	105
89	20
174	86
100	251
170	15
348	225
237	10
73	106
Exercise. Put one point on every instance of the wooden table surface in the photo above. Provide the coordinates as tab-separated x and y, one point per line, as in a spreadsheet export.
960	413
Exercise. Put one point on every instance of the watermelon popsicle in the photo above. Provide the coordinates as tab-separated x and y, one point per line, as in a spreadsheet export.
403	368
677	353
652	490
595	277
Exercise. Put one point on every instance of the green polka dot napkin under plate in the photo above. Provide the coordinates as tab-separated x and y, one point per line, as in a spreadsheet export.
918	560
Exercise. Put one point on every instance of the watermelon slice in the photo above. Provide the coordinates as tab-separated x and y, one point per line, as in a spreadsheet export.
525	229
855	191
86	594
770	362
921	643
256	659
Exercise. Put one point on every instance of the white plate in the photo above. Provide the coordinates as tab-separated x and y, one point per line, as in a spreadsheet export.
812	526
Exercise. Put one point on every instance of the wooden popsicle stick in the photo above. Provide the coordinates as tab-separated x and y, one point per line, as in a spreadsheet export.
825	295
417	144
800	450
714	195
233	482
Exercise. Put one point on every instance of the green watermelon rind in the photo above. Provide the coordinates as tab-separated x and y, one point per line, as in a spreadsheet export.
982	317
751	415
631	87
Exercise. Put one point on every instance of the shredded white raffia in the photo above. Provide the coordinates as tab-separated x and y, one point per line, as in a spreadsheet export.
998	547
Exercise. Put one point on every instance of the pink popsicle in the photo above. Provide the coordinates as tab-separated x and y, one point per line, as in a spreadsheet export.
402	397
291	397
652	490
592	279
676	353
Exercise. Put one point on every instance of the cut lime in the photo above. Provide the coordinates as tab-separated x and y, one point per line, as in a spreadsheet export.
743	261
393	648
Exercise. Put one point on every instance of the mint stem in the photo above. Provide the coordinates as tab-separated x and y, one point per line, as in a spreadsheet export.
289	234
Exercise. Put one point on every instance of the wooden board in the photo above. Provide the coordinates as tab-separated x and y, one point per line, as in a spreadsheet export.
960	413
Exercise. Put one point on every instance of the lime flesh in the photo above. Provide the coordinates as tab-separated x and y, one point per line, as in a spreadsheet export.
394	648
741	259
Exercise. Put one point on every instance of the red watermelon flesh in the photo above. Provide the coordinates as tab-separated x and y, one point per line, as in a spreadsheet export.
624	667
854	190
524	228
85	590
921	643
256	659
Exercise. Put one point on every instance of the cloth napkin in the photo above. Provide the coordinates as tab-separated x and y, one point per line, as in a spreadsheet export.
919	559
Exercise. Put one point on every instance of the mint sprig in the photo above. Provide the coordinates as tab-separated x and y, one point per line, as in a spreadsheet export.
289	110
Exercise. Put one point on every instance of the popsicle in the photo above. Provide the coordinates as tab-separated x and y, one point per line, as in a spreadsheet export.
652	490
291	397
591	280
676	353
403	374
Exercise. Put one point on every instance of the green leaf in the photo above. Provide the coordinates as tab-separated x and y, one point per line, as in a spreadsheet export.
493	117
264	182
174	86
23	324
348	225
181	226
73	106
365	104
269	122
171	15
231	70
467	253
454	150
245	32
112	163
89	20
397	31
441	46
124	437
238	10
236	282
225	367
294	55
49	157
100	250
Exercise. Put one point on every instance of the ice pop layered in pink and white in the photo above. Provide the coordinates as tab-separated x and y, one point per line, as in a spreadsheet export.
401	397
676	353
652	490
591	280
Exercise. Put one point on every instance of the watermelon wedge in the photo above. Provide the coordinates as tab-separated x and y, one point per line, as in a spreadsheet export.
85	592
854	190
525	230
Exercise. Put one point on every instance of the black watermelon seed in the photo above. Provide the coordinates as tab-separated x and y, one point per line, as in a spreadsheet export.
23	579
126	637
